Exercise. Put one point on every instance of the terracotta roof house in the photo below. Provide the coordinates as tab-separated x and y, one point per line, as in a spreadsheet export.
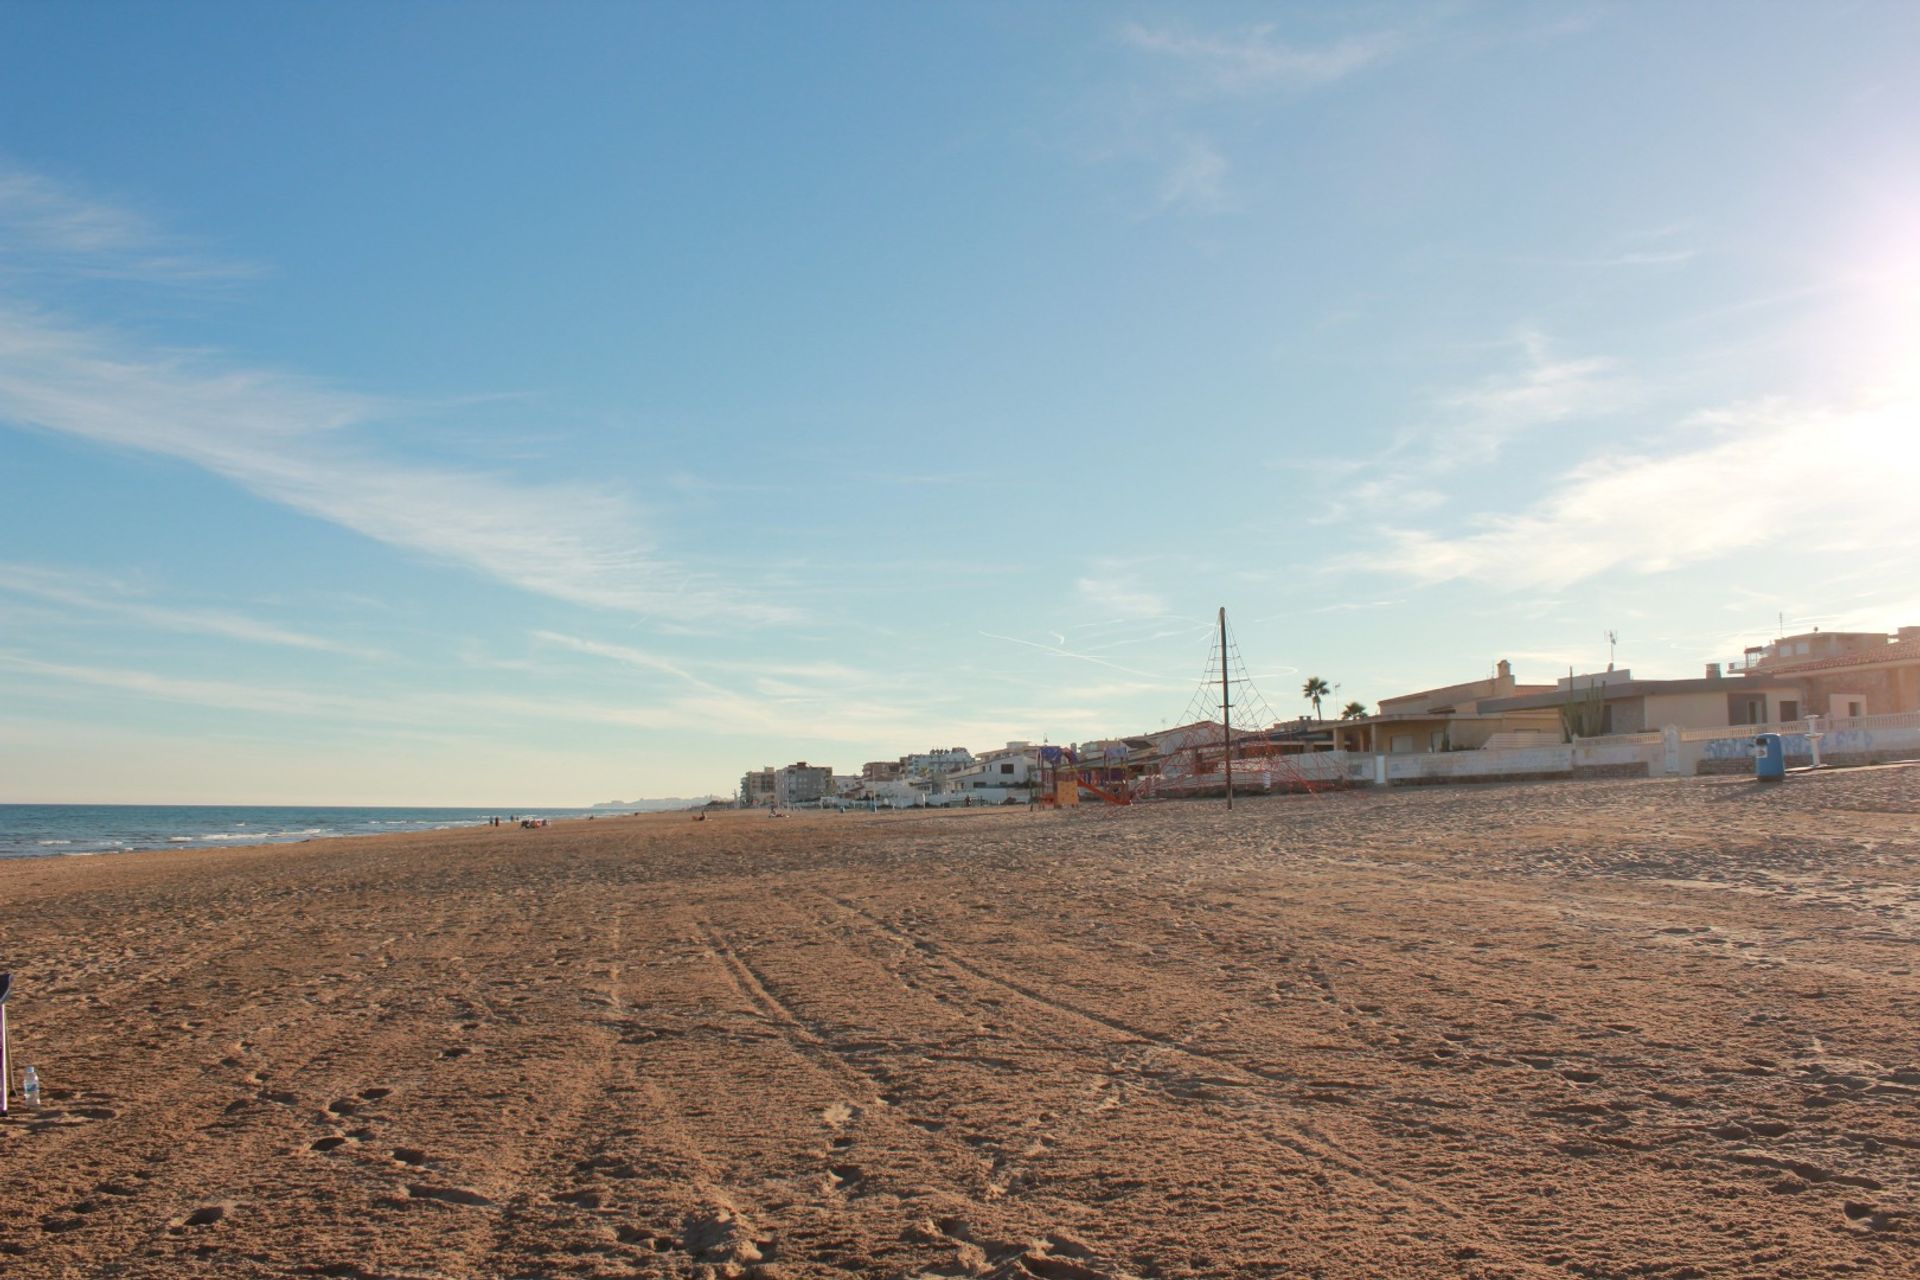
1871	674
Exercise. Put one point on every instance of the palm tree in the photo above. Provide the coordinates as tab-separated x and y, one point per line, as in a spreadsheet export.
1354	711
1313	690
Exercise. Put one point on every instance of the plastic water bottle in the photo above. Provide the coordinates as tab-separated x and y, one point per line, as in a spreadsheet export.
30	1087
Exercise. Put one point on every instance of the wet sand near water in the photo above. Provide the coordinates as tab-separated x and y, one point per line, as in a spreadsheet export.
1611	1029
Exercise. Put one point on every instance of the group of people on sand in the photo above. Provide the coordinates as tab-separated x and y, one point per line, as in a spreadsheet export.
526	824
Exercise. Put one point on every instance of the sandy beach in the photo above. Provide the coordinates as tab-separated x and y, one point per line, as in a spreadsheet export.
1605	1030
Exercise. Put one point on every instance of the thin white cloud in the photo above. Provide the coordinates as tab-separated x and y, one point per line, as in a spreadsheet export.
1112	590
1483	417
292	440
1061	651
96	594
1254	60
48	226
1195	176
1642	258
300	441
628	655
1641	513
1469	426
826	719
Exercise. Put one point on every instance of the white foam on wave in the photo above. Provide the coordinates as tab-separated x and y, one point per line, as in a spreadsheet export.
53	842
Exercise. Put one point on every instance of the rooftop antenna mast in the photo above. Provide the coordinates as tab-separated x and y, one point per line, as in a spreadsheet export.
1613	638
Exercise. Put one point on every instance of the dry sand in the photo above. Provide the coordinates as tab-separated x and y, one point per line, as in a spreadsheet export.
1611	1029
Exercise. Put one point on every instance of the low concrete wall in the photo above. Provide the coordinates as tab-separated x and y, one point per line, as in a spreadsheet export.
1863	740
1632	755
1480	766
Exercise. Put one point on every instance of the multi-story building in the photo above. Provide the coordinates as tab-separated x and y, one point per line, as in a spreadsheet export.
802	783
929	769
1846	673
757	788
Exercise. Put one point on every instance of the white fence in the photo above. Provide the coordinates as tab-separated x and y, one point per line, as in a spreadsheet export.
1670	752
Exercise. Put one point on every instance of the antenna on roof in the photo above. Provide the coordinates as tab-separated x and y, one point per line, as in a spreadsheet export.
1613	638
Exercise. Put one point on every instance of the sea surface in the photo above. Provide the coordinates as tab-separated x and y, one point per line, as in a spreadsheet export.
47	830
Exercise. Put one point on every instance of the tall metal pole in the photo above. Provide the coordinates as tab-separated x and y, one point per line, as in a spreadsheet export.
1226	708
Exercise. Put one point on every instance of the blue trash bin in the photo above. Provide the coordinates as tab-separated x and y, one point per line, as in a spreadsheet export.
1769	757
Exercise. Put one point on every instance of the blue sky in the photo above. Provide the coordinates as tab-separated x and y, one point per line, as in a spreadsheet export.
514	404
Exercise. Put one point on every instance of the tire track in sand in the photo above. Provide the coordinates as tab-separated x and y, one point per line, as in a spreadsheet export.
1288	1132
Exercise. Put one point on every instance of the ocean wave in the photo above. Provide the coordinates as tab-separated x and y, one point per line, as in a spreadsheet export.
179	839
53	842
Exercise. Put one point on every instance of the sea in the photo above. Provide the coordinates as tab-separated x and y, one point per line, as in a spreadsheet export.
71	830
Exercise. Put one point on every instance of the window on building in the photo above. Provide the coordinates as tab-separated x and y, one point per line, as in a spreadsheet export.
1006	768
1856	708
1789	709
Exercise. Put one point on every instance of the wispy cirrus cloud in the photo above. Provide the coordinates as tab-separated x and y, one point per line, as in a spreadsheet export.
823	718
1255	59
1196	175
1060	650
303	441
647	660
1642	512
107	597
48	226
1114	588
1481	418
295	440
1469	425
1185	77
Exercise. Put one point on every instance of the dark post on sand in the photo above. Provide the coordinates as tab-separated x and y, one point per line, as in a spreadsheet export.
6	1066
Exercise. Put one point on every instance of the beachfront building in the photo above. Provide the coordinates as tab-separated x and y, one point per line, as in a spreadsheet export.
1842	674
882	770
1455	717
802	783
1627	705
757	788
993	777
928	770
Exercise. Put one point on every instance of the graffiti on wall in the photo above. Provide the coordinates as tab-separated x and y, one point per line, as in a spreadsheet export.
1839	742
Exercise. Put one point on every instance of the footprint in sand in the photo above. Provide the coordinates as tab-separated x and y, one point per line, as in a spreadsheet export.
449	1195
205	1216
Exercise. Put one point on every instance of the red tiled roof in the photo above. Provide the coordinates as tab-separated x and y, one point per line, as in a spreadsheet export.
1904	651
